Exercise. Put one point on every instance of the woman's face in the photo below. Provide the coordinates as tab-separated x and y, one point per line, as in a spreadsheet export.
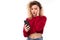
35	10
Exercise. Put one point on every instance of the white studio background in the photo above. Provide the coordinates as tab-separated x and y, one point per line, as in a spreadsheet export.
14	12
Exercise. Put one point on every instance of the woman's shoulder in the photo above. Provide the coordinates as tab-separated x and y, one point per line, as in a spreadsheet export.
44	17
28	19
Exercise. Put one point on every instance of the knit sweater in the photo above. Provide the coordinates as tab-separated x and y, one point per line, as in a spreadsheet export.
36	25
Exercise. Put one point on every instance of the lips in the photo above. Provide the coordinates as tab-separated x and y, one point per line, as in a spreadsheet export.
33	13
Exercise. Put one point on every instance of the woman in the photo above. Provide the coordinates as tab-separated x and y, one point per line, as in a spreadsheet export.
36	21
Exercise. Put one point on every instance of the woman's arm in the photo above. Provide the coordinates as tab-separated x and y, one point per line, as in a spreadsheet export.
26	30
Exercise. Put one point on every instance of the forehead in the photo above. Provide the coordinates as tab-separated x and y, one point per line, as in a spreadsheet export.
34	6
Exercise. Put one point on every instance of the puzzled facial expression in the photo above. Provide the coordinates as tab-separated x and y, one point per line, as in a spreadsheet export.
35	10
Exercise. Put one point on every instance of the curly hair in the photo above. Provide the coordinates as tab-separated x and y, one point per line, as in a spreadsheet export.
31	4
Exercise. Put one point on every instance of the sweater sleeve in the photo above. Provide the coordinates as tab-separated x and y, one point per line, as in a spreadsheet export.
25	33
40	22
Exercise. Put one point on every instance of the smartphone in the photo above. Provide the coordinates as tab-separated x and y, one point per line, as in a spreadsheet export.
26	22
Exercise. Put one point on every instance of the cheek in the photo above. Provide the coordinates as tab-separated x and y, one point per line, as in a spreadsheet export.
36	11
31	11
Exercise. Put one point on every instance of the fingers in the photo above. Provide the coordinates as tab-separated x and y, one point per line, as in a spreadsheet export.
25	25
37	13
27	28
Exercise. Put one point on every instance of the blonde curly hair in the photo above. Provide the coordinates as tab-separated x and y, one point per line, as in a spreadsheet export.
29	7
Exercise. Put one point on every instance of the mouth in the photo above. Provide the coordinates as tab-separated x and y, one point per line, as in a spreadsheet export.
34	14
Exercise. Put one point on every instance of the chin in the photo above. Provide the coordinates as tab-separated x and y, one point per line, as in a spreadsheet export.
34	16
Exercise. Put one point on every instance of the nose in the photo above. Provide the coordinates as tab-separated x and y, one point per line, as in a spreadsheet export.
33	11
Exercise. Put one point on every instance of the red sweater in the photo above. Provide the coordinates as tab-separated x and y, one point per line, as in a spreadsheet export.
36	25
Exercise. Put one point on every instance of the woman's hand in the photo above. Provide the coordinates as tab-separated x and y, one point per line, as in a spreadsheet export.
41	12
37	13
27	28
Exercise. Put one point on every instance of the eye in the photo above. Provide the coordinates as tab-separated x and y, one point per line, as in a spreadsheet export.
35	8
31	8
